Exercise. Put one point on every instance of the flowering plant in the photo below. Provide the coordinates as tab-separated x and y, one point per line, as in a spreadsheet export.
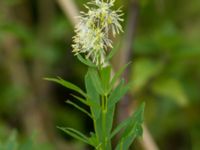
92	32
103	91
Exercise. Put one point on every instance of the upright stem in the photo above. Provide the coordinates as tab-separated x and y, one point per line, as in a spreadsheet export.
106	144
103	123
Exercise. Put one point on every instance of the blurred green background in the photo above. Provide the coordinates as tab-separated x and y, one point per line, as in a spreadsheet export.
35	42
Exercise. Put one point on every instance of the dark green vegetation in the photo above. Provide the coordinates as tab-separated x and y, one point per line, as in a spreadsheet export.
35	39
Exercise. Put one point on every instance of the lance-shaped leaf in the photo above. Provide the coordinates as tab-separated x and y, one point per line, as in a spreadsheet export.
88	103
79	108
109	120
117	75
80	99
76	134
118	93
96	80
93	96
87	62
67	85
105	74
133	129
114	97
93	140
122	125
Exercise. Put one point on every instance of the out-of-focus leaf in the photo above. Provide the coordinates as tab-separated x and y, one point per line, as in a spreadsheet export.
187	53
143	71
17	30
171	88
166	38
60	28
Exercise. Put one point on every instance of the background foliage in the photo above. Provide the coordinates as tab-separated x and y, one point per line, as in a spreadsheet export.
35	39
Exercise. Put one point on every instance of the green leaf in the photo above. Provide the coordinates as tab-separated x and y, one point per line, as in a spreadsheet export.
122	125
113	98
87	62
143	71
88	103
93	96
117	75
93	139
105	75
137	118
92	93
67	85
133	129
79	108
118	93
109	120
96	80
172	89
75	134
80	99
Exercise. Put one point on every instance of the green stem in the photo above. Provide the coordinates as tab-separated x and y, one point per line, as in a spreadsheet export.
105	143
103	123
95	128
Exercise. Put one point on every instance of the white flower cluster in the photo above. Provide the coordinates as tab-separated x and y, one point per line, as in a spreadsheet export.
92	32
